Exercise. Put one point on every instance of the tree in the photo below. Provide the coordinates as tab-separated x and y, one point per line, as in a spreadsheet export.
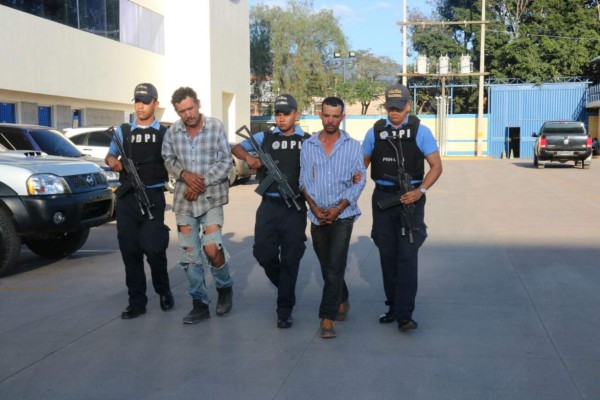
369	77
534	40
301	41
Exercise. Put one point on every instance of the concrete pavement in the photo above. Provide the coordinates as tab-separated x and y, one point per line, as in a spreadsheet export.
508	308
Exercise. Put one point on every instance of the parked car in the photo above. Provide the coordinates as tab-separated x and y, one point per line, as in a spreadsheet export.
92	141
50	141
562	141
49	204
95	142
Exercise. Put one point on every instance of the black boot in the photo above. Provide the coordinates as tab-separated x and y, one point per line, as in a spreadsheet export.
224	302
198	313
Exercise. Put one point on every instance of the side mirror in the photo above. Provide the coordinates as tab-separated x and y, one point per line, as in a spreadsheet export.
534	134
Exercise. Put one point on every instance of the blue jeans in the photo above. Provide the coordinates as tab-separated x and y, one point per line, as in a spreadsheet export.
192	256
331	243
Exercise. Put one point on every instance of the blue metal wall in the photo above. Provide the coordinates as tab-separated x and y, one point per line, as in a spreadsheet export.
44	116
526	107
7	112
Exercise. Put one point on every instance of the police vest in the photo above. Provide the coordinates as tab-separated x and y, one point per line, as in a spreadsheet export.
393	142
144	147
285	150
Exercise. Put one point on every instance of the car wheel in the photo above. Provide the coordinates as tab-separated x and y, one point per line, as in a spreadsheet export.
539	164
170	184
59	247
535	161
10	244
233	175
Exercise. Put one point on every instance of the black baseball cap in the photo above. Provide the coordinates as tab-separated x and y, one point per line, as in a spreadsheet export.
145	92
285	103
396	96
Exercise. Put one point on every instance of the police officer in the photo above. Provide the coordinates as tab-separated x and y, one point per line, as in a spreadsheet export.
138	234
279	233
400	142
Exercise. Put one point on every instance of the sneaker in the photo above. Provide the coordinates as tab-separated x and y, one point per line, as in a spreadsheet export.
343	311
198	313
327	328
224	302
407	324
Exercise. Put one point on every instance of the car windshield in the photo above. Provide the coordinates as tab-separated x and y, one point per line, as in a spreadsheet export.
562	129
54	143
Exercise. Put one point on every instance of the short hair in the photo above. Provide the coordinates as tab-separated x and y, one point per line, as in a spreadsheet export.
182	93
333	101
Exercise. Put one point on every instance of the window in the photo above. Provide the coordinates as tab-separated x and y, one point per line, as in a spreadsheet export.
14	139
79	139
54	143
122	20
7	112
141	27
98	139
44	116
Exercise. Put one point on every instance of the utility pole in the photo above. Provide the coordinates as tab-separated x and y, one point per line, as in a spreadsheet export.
480	74
404	50
479	148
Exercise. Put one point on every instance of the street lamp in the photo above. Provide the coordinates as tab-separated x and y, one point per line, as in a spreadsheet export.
351	54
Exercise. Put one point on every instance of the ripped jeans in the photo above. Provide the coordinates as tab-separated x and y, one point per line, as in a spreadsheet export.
193	258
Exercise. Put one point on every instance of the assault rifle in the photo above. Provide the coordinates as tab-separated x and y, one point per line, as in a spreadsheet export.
274	174
403	185
131	179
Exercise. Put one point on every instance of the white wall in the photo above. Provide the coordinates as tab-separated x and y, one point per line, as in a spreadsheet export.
44	57
206	48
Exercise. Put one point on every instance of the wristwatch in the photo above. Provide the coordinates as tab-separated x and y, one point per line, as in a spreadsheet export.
423	189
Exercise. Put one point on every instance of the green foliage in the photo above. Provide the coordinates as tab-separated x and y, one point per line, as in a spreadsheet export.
361	91
301	41
534	40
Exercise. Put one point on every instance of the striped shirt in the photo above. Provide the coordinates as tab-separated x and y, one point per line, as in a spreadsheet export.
328	179
207	154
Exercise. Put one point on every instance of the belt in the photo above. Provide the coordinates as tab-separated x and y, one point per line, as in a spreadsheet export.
392	188
274	199
386	188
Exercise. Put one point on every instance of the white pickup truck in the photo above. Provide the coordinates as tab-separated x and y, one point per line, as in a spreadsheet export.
49	204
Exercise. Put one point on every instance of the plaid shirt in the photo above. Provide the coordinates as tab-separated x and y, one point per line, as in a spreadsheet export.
207	154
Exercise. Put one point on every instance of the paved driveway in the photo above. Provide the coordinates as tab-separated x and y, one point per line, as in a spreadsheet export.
508	308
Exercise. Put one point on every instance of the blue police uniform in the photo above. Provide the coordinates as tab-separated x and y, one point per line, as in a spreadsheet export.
279	232
398	256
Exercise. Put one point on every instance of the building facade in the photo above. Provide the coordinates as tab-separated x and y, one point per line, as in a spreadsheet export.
73	63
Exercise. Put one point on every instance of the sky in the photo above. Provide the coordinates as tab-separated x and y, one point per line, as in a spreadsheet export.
367	24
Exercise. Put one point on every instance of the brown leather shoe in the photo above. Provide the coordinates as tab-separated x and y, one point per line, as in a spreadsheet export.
343	311
327	328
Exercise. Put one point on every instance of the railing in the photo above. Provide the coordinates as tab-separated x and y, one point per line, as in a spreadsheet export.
593	93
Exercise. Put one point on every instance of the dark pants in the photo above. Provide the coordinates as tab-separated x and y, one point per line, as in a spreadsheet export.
139	236
331	244
399	258
279	236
